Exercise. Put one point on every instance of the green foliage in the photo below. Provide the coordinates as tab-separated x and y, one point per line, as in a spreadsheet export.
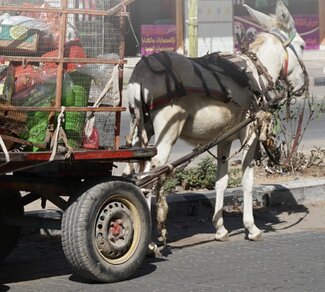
203	176
234	177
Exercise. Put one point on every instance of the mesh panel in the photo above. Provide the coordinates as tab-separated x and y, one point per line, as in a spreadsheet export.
35	34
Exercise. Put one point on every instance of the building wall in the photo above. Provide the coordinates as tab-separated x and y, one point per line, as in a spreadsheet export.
174	12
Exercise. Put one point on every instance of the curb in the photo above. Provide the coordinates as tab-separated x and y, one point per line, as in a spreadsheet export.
291	193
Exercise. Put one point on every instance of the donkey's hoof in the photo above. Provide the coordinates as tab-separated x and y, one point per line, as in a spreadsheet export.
153	251
257	236
224	236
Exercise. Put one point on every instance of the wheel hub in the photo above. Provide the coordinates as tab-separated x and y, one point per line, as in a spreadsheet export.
114	230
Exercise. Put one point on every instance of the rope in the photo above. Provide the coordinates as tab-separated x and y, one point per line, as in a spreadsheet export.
4	149
54	142
133	32
91	118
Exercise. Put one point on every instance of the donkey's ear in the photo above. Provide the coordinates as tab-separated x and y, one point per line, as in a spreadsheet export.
284	17
262	19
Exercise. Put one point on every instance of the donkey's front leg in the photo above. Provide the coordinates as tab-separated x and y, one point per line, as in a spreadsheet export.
220	187
247	182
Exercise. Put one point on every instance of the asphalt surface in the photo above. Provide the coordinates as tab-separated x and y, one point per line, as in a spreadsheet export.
285	262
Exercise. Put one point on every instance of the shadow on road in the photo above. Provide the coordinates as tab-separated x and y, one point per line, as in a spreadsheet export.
193	218
34	257
4	288
37	256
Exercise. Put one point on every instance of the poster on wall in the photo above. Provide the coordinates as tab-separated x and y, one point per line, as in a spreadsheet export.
157	37
308	28
306	25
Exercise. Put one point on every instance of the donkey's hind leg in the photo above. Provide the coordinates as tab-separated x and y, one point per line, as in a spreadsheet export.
220	187
168	124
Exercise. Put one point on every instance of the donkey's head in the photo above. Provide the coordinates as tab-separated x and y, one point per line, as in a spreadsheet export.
282	26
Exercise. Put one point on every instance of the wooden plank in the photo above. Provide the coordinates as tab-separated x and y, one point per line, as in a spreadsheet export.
62	37
180	26
21	141
113	155
112	11
58	109
26	60
322	21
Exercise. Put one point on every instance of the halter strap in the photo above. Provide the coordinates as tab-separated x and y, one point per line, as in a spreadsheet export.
287	43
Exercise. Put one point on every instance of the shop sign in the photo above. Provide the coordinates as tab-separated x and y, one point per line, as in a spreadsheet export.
157	37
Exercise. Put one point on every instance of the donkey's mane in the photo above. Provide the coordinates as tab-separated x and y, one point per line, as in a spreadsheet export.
258	42
260	38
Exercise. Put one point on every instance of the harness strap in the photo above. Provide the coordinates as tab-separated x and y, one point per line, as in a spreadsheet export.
164	59
198	72
167	81
158	72
262	71
206	66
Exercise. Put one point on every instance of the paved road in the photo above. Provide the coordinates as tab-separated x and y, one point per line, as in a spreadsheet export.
284	262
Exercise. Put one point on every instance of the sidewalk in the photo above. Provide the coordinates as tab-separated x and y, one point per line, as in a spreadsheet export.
291	193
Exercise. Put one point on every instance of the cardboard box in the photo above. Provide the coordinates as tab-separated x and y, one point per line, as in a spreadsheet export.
18	39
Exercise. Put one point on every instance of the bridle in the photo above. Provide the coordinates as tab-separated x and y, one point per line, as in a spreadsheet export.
287	43
274	92
276	87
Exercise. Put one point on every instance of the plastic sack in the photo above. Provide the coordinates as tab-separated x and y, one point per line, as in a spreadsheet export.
74	121
91	142
53	21
42	95
28	77
100	72
72	49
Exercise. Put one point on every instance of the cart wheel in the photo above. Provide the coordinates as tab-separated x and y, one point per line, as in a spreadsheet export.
106	232
10	204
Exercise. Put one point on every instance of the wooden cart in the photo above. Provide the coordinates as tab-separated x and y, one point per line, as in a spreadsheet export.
106	223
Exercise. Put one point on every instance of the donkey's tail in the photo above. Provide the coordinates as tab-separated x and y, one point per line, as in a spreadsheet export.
138	135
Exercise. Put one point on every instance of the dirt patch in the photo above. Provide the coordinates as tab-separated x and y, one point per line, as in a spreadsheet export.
190	230
263	177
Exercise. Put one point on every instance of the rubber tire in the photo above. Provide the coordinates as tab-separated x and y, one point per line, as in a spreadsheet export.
78	232
10	204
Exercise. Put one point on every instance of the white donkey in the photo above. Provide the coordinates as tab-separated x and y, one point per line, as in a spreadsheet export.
173	97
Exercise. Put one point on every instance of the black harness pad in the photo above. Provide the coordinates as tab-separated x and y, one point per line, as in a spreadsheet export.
230	65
